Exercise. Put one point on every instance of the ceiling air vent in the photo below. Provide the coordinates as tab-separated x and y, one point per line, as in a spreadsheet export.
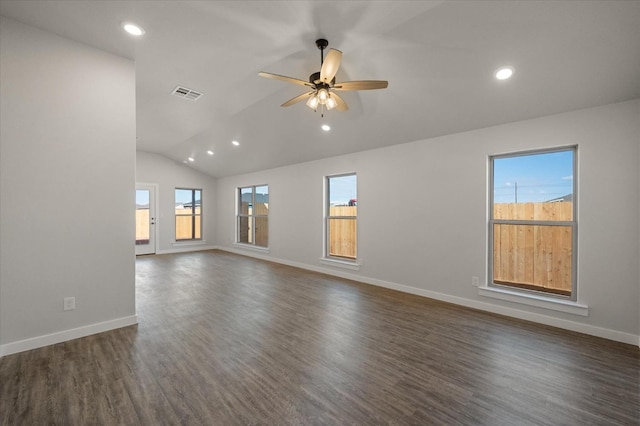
185	93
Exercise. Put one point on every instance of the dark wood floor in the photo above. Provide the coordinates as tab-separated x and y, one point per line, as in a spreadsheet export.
224	339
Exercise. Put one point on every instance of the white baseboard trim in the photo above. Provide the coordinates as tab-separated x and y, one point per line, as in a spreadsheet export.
63	336
592	330
187	248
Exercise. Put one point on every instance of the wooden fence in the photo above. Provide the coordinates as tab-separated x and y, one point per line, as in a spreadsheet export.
534	256
342	232
561	210
142	226
261	223
183	225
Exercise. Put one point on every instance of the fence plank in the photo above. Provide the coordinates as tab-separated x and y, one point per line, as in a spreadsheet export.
558	211
533	255
342	232
142	224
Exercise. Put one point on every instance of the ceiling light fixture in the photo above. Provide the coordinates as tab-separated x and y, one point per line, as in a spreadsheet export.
504	73
326	127
191	159
323	99
210	152
235	143
323	84
313	102
133	29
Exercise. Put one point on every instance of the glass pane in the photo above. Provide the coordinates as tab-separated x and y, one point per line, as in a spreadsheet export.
244	231
342	238
198	234
262	231
183	196
261	201
245	200
535	257
185	202
343	196
198	196
142	216
184	228
534	186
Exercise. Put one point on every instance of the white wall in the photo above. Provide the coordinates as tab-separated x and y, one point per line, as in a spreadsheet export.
67	156
169	175
422	207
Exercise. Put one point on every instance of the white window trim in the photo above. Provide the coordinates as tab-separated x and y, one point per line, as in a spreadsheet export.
181	243
344	264
539	301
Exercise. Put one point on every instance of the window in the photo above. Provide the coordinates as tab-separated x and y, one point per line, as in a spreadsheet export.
253	215
533	229
341	217
188	214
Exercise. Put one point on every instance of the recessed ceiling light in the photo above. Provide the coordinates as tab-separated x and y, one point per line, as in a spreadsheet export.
133	29
210	152
326	127
191	159
235	143
504	73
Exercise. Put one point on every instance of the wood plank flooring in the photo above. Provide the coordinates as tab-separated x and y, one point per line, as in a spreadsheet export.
224	339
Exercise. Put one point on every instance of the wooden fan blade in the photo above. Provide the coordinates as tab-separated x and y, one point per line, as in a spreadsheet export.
284	78
330	65
361	85
341	105
297	99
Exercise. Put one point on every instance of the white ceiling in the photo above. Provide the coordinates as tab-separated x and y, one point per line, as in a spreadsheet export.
438	56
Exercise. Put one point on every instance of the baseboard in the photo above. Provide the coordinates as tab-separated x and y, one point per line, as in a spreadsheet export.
63	336
187	248
592	330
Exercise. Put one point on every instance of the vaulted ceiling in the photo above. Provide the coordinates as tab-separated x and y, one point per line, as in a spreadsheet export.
438	56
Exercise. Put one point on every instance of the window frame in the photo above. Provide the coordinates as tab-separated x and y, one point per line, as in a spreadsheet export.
328	218
573	224
193	215
250	217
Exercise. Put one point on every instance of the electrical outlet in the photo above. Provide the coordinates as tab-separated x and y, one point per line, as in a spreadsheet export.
69	303
475	281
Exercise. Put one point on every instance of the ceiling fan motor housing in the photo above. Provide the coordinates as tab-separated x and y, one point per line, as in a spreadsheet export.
315	79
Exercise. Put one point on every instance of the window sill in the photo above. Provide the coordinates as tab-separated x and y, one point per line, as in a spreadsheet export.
353	266
252	247
567	306
188	243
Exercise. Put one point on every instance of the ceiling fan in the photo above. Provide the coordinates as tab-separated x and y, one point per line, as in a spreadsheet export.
323	83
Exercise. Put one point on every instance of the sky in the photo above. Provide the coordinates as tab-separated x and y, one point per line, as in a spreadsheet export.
184	195
142	197
342	189
537	177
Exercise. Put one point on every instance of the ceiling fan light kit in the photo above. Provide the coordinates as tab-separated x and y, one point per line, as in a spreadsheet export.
323	83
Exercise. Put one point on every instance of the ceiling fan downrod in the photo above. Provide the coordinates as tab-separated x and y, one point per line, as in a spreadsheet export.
322	44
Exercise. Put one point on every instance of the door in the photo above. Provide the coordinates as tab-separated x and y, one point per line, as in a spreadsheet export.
145	219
